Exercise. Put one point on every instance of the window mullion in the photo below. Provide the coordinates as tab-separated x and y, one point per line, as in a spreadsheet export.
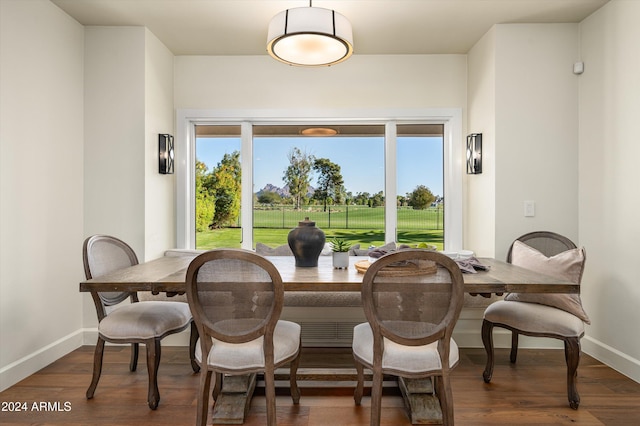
390	181
246	201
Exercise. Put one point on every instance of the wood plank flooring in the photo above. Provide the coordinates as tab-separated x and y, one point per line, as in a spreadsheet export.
532	392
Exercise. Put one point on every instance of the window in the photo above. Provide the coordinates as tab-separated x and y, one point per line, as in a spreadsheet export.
420	185
218	182
381	163
337	181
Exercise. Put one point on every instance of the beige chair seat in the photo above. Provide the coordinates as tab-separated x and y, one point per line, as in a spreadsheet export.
286	338
412	359
534	318
145	320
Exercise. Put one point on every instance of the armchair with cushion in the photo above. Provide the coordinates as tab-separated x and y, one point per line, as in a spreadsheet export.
558	316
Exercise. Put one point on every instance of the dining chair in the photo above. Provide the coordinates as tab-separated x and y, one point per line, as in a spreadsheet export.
236	297
557	316
412	300
138	322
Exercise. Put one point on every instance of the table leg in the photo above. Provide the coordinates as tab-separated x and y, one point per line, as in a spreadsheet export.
234	400
421	401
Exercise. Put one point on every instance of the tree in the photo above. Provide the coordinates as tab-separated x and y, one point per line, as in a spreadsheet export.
269	197
205	200
298	175
421	198
362	198
226	186
377	200
348	198
330	182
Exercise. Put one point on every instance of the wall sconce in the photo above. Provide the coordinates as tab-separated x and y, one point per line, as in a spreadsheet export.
165	148
474	153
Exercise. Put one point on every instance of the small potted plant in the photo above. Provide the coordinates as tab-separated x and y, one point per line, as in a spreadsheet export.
340	250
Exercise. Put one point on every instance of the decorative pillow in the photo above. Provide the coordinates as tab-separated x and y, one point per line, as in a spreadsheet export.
326	250
355	249
265	250
389	246
567	264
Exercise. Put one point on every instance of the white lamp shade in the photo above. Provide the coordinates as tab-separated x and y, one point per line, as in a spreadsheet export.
310	36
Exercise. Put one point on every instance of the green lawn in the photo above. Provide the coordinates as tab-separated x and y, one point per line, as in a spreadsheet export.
356	224
230	237
346	217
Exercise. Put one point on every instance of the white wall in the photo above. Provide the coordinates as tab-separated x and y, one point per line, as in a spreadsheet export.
566	141
159	210
399	81
128	102
480	194
609	195
41	201
523	97
536	135
114	97
114	177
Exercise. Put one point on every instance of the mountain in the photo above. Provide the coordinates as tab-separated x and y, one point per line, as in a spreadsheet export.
283	192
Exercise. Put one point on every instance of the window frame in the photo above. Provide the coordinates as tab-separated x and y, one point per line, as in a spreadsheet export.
453	153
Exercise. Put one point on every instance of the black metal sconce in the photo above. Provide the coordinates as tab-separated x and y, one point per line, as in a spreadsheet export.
165	148
474	153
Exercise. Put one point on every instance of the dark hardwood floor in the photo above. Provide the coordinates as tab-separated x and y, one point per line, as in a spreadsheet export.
532	392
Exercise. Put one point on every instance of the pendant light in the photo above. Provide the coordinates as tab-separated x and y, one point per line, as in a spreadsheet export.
310	36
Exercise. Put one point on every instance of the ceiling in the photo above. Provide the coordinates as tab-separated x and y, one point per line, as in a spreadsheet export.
239	27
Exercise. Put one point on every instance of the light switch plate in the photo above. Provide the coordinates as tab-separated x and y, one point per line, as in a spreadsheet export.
529	208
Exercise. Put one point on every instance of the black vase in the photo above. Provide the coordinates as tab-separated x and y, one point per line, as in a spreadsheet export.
306	242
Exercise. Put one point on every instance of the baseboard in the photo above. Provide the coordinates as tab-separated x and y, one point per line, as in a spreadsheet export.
611	357
27	365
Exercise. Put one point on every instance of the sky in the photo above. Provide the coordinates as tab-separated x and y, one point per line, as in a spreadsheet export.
420	160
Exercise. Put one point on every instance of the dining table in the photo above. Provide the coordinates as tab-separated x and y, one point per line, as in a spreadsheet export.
167	274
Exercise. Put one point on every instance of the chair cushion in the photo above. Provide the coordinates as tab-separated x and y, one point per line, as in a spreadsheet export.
535	318
567	264
250	355
412	359
145	320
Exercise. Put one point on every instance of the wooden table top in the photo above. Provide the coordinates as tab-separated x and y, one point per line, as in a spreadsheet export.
167	274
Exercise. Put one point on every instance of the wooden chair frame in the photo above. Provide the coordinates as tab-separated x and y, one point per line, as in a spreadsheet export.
572	348
442	334
265	330
153	346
